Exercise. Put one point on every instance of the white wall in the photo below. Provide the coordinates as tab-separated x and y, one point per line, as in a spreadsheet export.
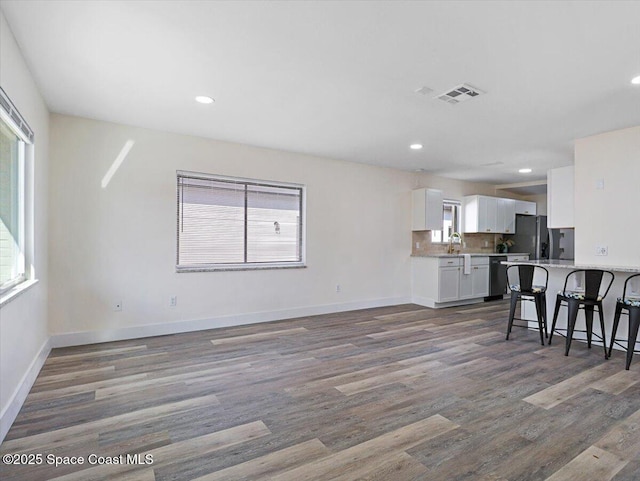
118	243
610	216
456	189
23	319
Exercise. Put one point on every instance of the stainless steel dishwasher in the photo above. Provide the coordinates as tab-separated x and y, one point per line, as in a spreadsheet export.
497	278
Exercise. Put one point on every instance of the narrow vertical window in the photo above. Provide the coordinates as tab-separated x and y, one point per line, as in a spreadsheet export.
15	135
450	222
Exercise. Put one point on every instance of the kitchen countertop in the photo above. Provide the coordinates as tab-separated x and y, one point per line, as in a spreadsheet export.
562	264
473	254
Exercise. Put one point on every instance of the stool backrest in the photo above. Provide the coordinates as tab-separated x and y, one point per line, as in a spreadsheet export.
593	282
526	274
631	291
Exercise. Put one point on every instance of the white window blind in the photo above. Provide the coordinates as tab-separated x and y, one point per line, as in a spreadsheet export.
237	223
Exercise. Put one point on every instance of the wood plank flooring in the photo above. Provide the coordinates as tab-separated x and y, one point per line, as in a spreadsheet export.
396	393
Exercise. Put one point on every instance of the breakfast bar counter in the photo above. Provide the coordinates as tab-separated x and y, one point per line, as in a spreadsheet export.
558	270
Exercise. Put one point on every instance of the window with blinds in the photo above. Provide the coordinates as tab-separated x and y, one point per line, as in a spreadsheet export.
229	223
15	138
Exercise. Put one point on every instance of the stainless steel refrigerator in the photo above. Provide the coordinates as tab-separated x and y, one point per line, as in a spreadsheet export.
533	236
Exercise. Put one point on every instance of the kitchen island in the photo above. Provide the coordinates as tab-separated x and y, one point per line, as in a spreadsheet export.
558	270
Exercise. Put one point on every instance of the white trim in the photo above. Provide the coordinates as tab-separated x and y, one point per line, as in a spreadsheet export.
6	117
428	302
176	327
16	290
241	180
18	397
247	266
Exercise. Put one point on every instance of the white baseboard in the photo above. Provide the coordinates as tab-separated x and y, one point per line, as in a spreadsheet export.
424	301
428	302
14	405
150	330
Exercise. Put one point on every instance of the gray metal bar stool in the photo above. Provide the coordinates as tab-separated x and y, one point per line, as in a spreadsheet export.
586	295
521	283
630	301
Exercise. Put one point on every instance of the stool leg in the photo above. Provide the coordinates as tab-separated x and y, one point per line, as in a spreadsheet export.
555	318
616	321
588	316
571	323
604	336
544	314
634	323
512	312
539	317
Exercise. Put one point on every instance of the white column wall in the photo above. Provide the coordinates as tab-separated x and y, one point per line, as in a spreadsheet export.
608	216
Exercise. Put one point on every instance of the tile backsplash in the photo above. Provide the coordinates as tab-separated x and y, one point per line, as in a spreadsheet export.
472	243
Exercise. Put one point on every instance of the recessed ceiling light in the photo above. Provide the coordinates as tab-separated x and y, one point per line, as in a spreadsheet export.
525	171
636	80
203	99
415	146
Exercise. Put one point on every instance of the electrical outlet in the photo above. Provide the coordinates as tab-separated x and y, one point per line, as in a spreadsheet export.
417	245
117	306
602	250
337	287
173	301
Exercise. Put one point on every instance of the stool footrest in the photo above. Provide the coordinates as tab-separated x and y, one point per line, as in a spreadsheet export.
625	347
599	339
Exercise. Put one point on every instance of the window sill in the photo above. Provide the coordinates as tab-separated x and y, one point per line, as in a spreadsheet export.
14	292
249	267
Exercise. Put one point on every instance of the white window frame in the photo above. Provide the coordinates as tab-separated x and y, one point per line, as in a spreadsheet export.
301	263
439	236
16	123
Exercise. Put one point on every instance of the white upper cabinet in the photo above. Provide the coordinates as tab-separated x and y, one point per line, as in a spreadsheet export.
426	209
560	189
506	216
489	214
480	213
525	207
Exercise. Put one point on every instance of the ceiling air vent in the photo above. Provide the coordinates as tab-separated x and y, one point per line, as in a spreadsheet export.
459	94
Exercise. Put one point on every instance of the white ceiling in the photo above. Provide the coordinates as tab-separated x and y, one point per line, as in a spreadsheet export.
338	79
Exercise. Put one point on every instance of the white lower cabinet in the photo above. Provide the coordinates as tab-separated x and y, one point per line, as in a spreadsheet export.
448	284
476	283
480	280
441	280
466	284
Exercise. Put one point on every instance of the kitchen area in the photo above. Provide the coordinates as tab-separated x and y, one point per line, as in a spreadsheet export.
460	247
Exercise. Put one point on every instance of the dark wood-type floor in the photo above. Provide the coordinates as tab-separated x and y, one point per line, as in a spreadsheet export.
398	393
